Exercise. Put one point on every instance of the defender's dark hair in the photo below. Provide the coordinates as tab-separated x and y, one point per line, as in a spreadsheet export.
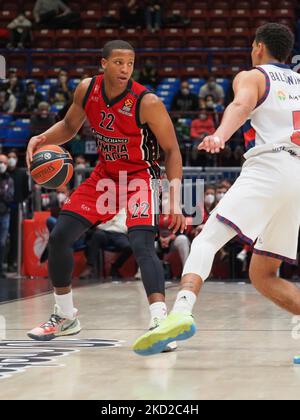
278	39
118	44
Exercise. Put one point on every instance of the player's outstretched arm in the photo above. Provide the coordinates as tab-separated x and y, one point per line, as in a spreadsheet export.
154	113
64	130
248	87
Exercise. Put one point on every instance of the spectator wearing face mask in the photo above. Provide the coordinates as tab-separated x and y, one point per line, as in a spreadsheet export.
21	192
200	127
30	99
184	100
42	120
6	198
220	192
60	93
8	102
211	88
13	85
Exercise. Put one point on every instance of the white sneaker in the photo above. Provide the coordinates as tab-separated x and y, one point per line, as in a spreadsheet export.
154	323
57	326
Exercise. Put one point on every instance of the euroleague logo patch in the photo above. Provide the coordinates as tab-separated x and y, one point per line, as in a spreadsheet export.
18	355
126	109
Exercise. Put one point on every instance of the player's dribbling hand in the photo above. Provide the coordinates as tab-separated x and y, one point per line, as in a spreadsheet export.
32	146
212	144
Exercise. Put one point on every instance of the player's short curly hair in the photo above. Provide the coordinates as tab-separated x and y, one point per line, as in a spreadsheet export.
117	44
278	39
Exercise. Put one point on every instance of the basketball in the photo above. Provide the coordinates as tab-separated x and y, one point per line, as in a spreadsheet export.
51	167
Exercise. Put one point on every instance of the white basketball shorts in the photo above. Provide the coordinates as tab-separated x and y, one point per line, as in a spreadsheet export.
263	205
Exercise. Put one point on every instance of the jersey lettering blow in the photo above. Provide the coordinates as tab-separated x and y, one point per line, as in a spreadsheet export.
275	122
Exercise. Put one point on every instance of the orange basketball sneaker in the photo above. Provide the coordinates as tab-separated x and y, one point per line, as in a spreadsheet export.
57	326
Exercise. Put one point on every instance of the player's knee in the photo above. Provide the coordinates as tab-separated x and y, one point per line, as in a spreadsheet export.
58	239
182	240
142	243
261	276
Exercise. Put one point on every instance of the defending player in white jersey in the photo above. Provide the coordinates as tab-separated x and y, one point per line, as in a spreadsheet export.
263	206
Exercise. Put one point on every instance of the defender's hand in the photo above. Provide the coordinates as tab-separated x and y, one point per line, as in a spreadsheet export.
212	144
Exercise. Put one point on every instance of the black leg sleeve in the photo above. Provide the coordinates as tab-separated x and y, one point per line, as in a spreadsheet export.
61	263
142	243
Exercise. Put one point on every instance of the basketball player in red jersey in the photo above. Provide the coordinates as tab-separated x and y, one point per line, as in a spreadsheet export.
130	123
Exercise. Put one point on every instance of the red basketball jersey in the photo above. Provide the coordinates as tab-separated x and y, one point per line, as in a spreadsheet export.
123	142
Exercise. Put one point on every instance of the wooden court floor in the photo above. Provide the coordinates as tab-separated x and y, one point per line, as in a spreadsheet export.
243	349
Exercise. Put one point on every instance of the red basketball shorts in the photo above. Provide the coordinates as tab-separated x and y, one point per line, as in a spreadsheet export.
100	198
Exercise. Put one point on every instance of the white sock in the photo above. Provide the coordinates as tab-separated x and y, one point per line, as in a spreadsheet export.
158	310
184	302
65	303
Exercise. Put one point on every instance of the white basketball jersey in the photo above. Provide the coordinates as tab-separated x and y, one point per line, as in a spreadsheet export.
275	122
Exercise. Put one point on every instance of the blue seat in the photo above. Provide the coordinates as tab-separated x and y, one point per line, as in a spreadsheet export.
56	107
17	137
3	132
171	80
22	122
224	83
72	84
6	118
52	81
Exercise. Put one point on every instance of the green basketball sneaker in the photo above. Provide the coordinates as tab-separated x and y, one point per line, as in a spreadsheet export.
177	326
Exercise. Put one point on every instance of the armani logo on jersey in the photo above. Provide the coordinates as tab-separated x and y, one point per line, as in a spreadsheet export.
18	355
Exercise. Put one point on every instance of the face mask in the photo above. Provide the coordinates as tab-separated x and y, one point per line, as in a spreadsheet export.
80	166
45	201
202	116
210	104
44	114
209	199
12	162
3	168
185	91
212	85
61	197
220	196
